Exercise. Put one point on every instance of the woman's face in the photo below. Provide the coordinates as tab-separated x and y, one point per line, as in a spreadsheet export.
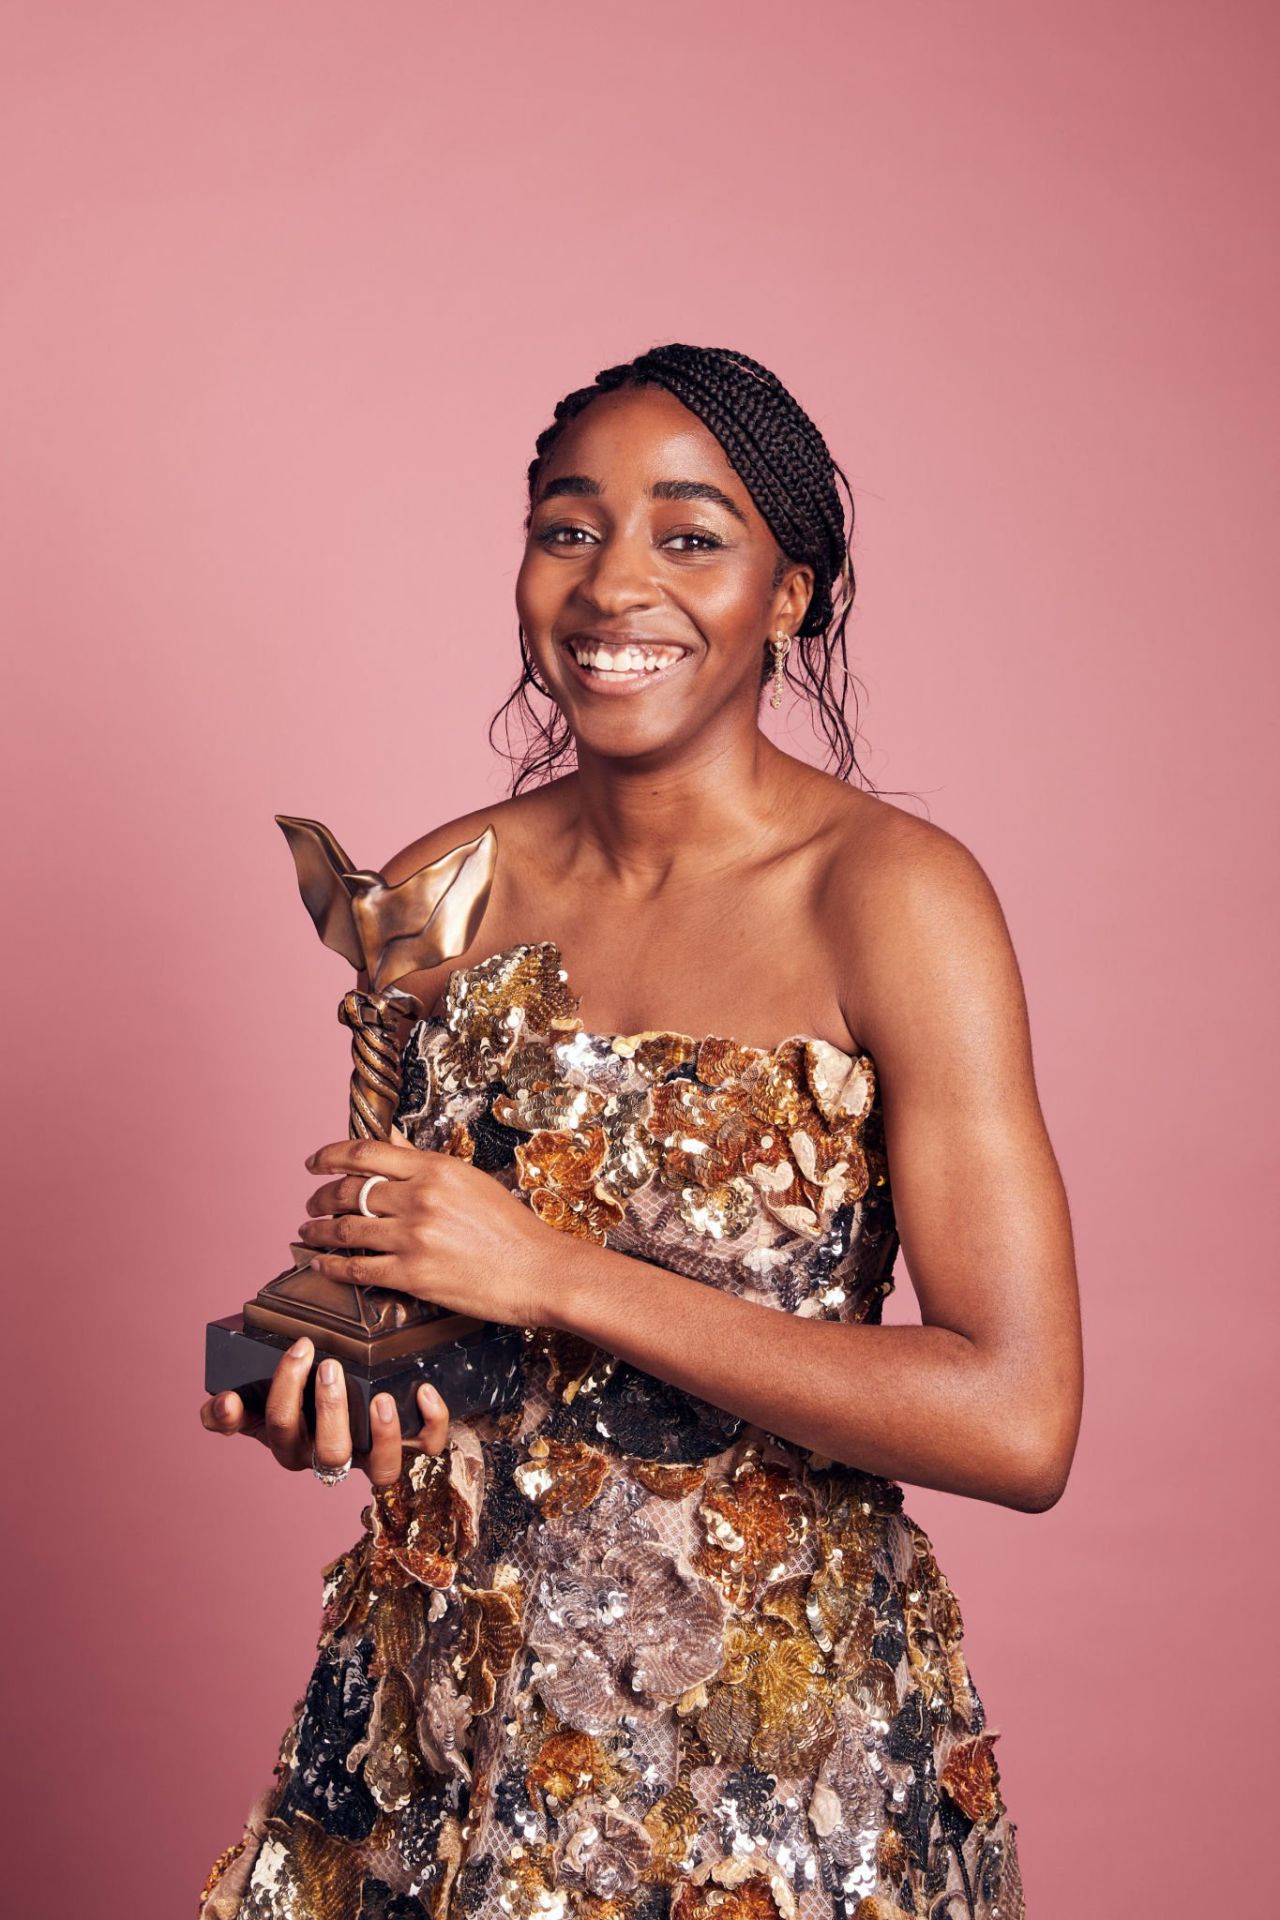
648	615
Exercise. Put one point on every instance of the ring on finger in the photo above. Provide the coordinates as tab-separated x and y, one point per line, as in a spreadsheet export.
363	1202
330	1476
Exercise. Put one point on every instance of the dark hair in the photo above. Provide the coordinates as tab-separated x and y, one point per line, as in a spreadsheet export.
787	468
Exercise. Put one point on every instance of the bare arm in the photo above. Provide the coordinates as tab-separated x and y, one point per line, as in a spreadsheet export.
984	1397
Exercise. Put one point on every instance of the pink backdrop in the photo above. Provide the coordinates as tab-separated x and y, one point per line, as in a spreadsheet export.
288	291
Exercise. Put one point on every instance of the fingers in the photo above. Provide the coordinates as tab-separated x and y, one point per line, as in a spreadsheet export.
365	1157
343	1196
226	1413
386	1452
435	1420
333	1422
284	1427
350	1230
386	1455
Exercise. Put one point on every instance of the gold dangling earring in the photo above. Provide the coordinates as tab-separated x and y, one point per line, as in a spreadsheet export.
781	648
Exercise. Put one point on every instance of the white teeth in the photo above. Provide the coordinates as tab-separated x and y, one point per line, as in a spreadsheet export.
624	660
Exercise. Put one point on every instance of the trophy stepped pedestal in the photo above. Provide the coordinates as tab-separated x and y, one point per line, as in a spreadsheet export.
474	1365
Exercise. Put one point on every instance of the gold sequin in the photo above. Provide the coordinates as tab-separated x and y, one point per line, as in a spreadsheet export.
753	1898
549	1107
668	1482
488	1641
771	1704
393	1769
672	1822
753	1520
490	1006
561	1476
972	1777
891	1854
570	1763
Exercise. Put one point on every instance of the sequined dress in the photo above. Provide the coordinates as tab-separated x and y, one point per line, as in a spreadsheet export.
616	1654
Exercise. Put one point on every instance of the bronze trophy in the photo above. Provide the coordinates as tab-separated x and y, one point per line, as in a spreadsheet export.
388	1342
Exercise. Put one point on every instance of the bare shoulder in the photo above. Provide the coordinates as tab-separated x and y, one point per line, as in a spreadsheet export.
514	821
926	957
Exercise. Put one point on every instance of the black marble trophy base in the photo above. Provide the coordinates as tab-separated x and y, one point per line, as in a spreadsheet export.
482	1373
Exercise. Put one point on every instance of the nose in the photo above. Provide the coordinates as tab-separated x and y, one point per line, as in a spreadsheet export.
619	575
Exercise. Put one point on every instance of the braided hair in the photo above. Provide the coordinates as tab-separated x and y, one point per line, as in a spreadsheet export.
786	466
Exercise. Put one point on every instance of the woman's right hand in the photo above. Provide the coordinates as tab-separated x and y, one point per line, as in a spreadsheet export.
283	1429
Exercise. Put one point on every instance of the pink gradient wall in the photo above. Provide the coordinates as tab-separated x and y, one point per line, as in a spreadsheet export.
287	292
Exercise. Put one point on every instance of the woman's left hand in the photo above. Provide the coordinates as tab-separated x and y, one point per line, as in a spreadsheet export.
443	1231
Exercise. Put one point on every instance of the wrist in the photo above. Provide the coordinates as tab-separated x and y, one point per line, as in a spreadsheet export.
568	1280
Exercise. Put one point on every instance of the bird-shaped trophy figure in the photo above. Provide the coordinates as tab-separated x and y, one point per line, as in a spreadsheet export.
388	1342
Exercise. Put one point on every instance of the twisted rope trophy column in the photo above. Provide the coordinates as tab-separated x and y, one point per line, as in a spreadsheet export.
375	1057
374	1022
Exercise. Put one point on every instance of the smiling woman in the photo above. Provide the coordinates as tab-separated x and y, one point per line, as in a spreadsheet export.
661	1639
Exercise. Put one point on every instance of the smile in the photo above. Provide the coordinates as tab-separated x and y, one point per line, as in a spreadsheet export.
622	665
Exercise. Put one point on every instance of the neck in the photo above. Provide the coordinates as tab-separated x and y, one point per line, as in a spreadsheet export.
651	827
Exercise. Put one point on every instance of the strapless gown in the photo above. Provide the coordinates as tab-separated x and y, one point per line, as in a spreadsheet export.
616	1654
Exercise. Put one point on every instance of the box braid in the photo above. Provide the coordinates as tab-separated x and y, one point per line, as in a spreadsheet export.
787	468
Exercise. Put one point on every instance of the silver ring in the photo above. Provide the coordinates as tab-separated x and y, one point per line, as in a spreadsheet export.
372	1181
330	1476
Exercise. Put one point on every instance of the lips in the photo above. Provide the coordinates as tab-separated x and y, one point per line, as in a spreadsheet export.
617	662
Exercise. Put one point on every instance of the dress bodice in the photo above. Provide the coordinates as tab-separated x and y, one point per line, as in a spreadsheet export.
759	1170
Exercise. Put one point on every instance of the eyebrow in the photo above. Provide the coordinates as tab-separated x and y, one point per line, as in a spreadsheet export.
581	483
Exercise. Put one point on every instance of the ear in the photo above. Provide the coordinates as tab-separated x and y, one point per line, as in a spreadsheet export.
793	596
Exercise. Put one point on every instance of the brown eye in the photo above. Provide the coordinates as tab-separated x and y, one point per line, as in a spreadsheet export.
546	536
712	541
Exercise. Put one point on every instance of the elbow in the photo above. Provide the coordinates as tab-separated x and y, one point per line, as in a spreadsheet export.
1038	1495
1037	1476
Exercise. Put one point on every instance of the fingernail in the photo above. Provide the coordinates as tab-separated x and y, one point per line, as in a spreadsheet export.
386	1407
311	1159
328	1371
428	1397
220	1405
300	1348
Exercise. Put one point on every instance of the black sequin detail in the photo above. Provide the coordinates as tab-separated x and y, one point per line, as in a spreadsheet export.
421	1821
937	1869
652	1420
561	1422
909	1736
954	1821
335	1716
991	1869
378	1902
834	1247
495	1145
414	1082
751	1807
527	1665
890	1642
511	1803
914	1821
472	1882
506	1514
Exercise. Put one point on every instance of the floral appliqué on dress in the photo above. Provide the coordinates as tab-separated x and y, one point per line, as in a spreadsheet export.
615	1654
